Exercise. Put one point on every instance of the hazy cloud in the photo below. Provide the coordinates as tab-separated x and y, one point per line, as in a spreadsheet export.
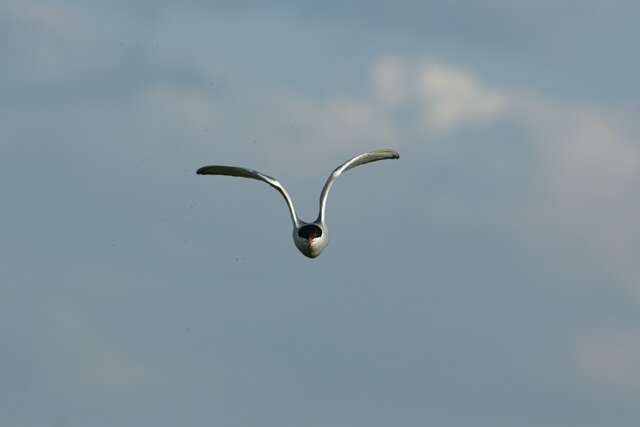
452	97
486	278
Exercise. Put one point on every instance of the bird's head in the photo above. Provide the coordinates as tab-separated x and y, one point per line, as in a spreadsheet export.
310	239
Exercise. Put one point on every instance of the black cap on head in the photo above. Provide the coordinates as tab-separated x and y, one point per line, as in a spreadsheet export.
309	231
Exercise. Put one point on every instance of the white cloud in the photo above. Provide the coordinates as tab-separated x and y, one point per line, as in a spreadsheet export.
589	171
583	191
452	97
587	160
589	156
391	79
448	97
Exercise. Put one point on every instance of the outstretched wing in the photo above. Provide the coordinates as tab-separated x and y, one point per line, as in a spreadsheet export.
250	173
361	159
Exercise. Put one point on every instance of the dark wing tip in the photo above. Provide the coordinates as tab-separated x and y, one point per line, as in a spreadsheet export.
393	154
203	170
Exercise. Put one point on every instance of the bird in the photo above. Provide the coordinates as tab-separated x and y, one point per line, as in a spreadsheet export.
311	238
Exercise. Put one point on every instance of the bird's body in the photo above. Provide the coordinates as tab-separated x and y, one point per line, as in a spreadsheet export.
309	238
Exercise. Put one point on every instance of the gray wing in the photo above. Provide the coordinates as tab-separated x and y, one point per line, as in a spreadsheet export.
358	160
250	173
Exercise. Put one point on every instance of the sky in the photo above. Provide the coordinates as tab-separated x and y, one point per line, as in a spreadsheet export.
487	278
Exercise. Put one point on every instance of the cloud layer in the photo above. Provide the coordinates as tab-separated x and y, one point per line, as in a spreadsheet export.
486	278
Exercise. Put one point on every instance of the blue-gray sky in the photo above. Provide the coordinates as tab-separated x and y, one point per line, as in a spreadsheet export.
488	278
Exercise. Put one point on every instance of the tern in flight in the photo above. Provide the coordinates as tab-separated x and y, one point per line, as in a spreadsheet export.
309	237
